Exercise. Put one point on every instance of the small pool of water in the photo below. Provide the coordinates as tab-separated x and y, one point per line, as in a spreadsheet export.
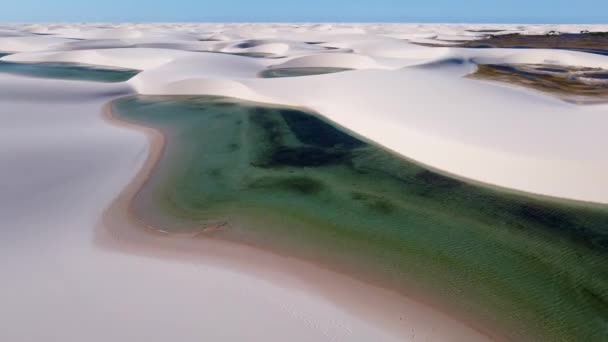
68	71
485	31
568	83
599	76
298	72
515	70
594	51
547	69
256	54
248	54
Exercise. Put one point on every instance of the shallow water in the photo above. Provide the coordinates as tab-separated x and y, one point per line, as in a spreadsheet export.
599	75
590	43
486	31
255	54
594	51
575	42
69	71
547	69
298	72
285	180
568	84
249	54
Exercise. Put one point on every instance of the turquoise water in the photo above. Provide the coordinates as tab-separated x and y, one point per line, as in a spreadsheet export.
286	180
255	54
69	71
297	72
248	54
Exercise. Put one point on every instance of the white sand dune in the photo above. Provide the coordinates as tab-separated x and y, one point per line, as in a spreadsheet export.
333	60
131	58
63	165
276	48
453	124
30	43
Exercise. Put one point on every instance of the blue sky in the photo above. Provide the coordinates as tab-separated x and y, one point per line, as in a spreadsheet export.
488	11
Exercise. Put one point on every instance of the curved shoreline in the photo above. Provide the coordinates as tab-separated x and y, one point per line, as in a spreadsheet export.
121	230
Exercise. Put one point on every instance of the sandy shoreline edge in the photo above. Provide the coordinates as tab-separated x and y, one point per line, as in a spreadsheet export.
120	230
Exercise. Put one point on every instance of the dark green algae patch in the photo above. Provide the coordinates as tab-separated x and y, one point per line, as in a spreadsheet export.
532	269
67	71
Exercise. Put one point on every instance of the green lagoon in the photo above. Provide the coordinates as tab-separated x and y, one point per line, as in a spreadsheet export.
297	72
529	269
248	54
68	71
